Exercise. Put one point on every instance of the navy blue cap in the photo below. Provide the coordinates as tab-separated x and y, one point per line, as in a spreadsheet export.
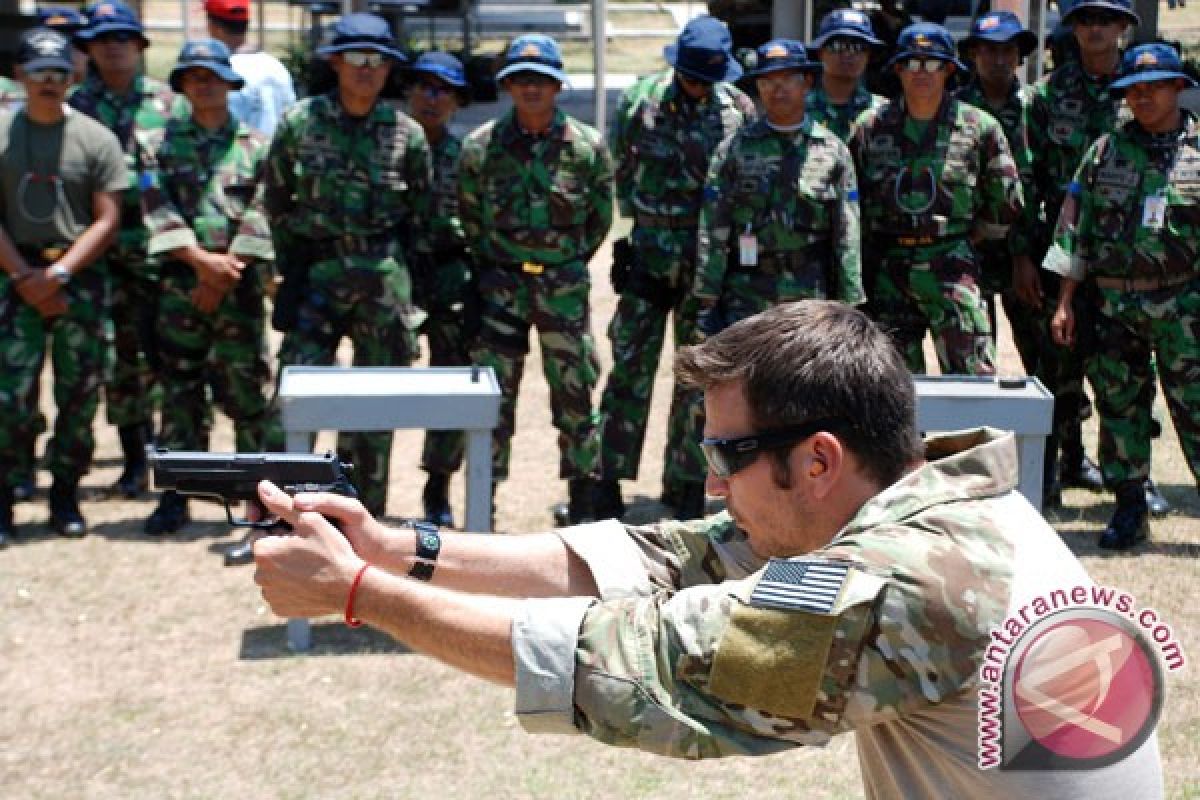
210	54
1150	62
845	23
925	40
781	54
44	48
112	16
362	31
64	20
1122	7
704	51
533	52
1000	27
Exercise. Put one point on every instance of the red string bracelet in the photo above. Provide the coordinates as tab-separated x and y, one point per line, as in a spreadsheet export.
351	620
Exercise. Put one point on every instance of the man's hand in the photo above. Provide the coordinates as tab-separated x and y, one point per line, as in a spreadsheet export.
222	270
1025	281
1062	326
365	534
308	572
207	298
37	289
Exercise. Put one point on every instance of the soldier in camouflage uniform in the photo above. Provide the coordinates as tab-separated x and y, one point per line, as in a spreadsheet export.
1130	228
844	45
937	178
665	130
126	102
203	207
347	195
535	195
444	281
59	177
1065	112
853	586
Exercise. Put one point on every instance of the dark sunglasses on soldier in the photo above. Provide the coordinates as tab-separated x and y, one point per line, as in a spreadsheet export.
930	65
51	75
120	37
359	58
728	456
848	46
433	88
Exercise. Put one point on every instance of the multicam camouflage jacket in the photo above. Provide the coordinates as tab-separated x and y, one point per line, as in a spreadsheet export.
937	182
362	185
146	107
662	141
543	199
797	195
1133	208
205	188
839	119
1065	112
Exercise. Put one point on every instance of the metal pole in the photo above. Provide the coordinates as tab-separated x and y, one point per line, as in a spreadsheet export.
185	18
599	46
262	25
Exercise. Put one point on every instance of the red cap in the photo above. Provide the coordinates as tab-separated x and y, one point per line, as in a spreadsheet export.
232	10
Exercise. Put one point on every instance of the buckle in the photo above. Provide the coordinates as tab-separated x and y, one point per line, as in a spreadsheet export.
532	268
53	253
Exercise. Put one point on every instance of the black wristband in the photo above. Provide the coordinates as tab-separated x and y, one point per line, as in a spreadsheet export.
429	544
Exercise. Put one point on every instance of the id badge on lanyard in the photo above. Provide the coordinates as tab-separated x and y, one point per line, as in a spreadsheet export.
1154	211
748	248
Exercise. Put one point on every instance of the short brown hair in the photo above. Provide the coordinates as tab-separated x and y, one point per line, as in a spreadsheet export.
812	359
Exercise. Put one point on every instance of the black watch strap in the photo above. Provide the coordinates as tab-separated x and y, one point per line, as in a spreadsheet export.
429	544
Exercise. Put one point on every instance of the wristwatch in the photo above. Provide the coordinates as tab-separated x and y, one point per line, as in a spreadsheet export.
429	544
59	274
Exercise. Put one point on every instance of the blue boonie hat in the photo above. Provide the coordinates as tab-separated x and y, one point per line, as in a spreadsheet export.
362	31
64	20
1000	27
44	48
845	23
1150	62
210	54
704	51
533	52
1123	7
111	16
781	54
441	65
925	40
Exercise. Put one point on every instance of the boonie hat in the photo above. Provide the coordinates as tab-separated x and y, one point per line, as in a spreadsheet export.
1122	7
704	51
210	54
362	31
845	23
781	54
1000	27
533	52
925	40
445	67
112	16
1147	63
44	48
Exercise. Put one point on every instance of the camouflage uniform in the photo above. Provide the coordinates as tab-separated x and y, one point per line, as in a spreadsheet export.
146	107
927	191
839	118
797	195
1146	287
535	209
205	188
342	196
683	656
662	142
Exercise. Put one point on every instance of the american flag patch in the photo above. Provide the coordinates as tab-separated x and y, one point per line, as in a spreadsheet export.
800	585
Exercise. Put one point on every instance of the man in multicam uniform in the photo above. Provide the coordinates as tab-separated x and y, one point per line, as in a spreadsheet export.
203	206
780	215
664	638
1066	111
347	194
936	178
535	196
60	174
665	130
444	281
126	101
843	45
1131	228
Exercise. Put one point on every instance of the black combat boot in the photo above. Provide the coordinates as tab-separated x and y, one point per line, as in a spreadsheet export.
606	499
436	500
133	477
689	500
1155	502
171	514
579	501
1129	525
65	517
1075	468
6	516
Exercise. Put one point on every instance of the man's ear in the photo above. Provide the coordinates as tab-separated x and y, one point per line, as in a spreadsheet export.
824	462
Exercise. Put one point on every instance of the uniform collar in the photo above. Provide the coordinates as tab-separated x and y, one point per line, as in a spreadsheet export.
510	131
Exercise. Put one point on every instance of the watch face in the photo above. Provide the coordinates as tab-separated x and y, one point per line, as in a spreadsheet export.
430	541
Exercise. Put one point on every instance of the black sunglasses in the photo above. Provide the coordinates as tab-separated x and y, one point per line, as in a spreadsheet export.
727	456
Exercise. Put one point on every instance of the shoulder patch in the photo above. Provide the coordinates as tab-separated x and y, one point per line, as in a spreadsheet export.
812	586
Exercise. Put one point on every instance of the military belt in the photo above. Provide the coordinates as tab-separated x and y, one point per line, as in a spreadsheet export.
1144	284
375	245
915	240
816	256
42	255
526	267
668	221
